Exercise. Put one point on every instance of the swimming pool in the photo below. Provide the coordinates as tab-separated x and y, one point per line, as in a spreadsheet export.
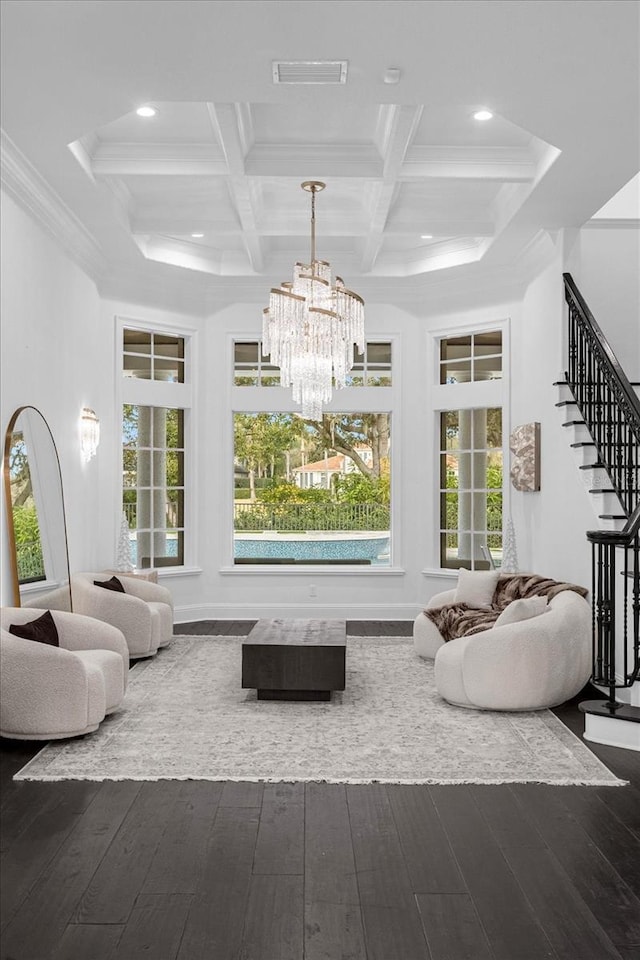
314	545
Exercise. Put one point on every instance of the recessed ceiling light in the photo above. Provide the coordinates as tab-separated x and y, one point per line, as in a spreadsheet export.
197	236
483	115
146	112
426	236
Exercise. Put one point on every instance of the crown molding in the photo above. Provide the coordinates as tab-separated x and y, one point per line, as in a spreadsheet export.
33	194
612	223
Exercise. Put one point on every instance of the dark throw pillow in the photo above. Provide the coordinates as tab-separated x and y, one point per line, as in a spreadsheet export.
113	584
42	630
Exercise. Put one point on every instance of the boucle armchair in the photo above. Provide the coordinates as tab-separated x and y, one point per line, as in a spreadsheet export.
144	612
527	665
48	692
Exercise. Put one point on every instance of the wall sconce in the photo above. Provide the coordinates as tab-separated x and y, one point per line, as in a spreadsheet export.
89	433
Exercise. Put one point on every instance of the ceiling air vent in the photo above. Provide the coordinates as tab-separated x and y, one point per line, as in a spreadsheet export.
309	71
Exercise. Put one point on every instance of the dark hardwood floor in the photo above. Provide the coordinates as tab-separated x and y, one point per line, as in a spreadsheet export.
250	871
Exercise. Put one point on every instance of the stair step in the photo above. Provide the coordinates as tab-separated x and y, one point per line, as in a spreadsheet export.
602	490
612	516
567	403
561	383
601	708
574	423
592	466
617	726
583	443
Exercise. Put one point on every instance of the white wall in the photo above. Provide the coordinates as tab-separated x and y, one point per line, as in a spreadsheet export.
550	525
53	359
605	263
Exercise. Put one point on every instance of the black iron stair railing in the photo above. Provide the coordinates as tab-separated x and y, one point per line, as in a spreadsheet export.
610	410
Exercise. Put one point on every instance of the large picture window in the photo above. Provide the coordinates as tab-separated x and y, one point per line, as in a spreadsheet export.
153	483
312	492
471	488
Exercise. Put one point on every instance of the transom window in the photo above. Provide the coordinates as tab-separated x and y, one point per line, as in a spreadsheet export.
471	488
252	368
152	356
472	357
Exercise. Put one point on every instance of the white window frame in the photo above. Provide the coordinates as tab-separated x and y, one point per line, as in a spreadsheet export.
466	396
278	399
159	393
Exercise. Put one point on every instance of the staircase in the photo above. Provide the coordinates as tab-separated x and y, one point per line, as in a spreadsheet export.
603	411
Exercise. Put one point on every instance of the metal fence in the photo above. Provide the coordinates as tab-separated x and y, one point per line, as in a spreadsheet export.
294	517
30	561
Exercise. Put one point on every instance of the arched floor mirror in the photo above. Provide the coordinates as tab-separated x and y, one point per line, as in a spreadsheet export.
37	532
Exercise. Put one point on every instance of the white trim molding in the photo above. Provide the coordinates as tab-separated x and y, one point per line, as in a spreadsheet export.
31	191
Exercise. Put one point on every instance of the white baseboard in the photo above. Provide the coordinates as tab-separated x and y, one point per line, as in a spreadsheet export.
612	732
188	613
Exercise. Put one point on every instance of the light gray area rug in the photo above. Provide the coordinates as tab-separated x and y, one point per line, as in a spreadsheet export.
185	716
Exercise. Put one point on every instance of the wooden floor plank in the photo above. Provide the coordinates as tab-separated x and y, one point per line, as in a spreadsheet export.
111	895
333	930
95	941
28	857
506	915
241	794
452	927
390	914
178	862
394	933
215	921
43	916
427	851
567	922
383	879
614	840
631	952
273	928
330	873
597	881
155	927
333	925
280	845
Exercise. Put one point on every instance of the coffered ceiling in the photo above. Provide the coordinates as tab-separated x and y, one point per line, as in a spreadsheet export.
418	191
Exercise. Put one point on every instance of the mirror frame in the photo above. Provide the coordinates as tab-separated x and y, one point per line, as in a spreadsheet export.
11	537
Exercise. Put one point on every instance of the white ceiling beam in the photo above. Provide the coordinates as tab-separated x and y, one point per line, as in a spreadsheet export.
176	225
441	227
396	129
468	163
230	124
308	160
112	159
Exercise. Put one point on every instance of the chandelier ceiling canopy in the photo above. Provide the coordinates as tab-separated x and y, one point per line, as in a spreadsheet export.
310	327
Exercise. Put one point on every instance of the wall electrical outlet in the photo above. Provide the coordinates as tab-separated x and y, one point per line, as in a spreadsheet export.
313	590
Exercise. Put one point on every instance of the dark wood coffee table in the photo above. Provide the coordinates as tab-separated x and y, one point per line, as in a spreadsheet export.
295	659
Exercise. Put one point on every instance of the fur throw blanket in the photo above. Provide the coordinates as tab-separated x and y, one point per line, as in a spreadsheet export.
459	620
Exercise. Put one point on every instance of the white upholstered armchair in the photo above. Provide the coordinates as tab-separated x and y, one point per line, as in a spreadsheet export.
144	612
50	692
526	665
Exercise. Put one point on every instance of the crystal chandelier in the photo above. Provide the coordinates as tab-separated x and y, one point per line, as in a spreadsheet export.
310	327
